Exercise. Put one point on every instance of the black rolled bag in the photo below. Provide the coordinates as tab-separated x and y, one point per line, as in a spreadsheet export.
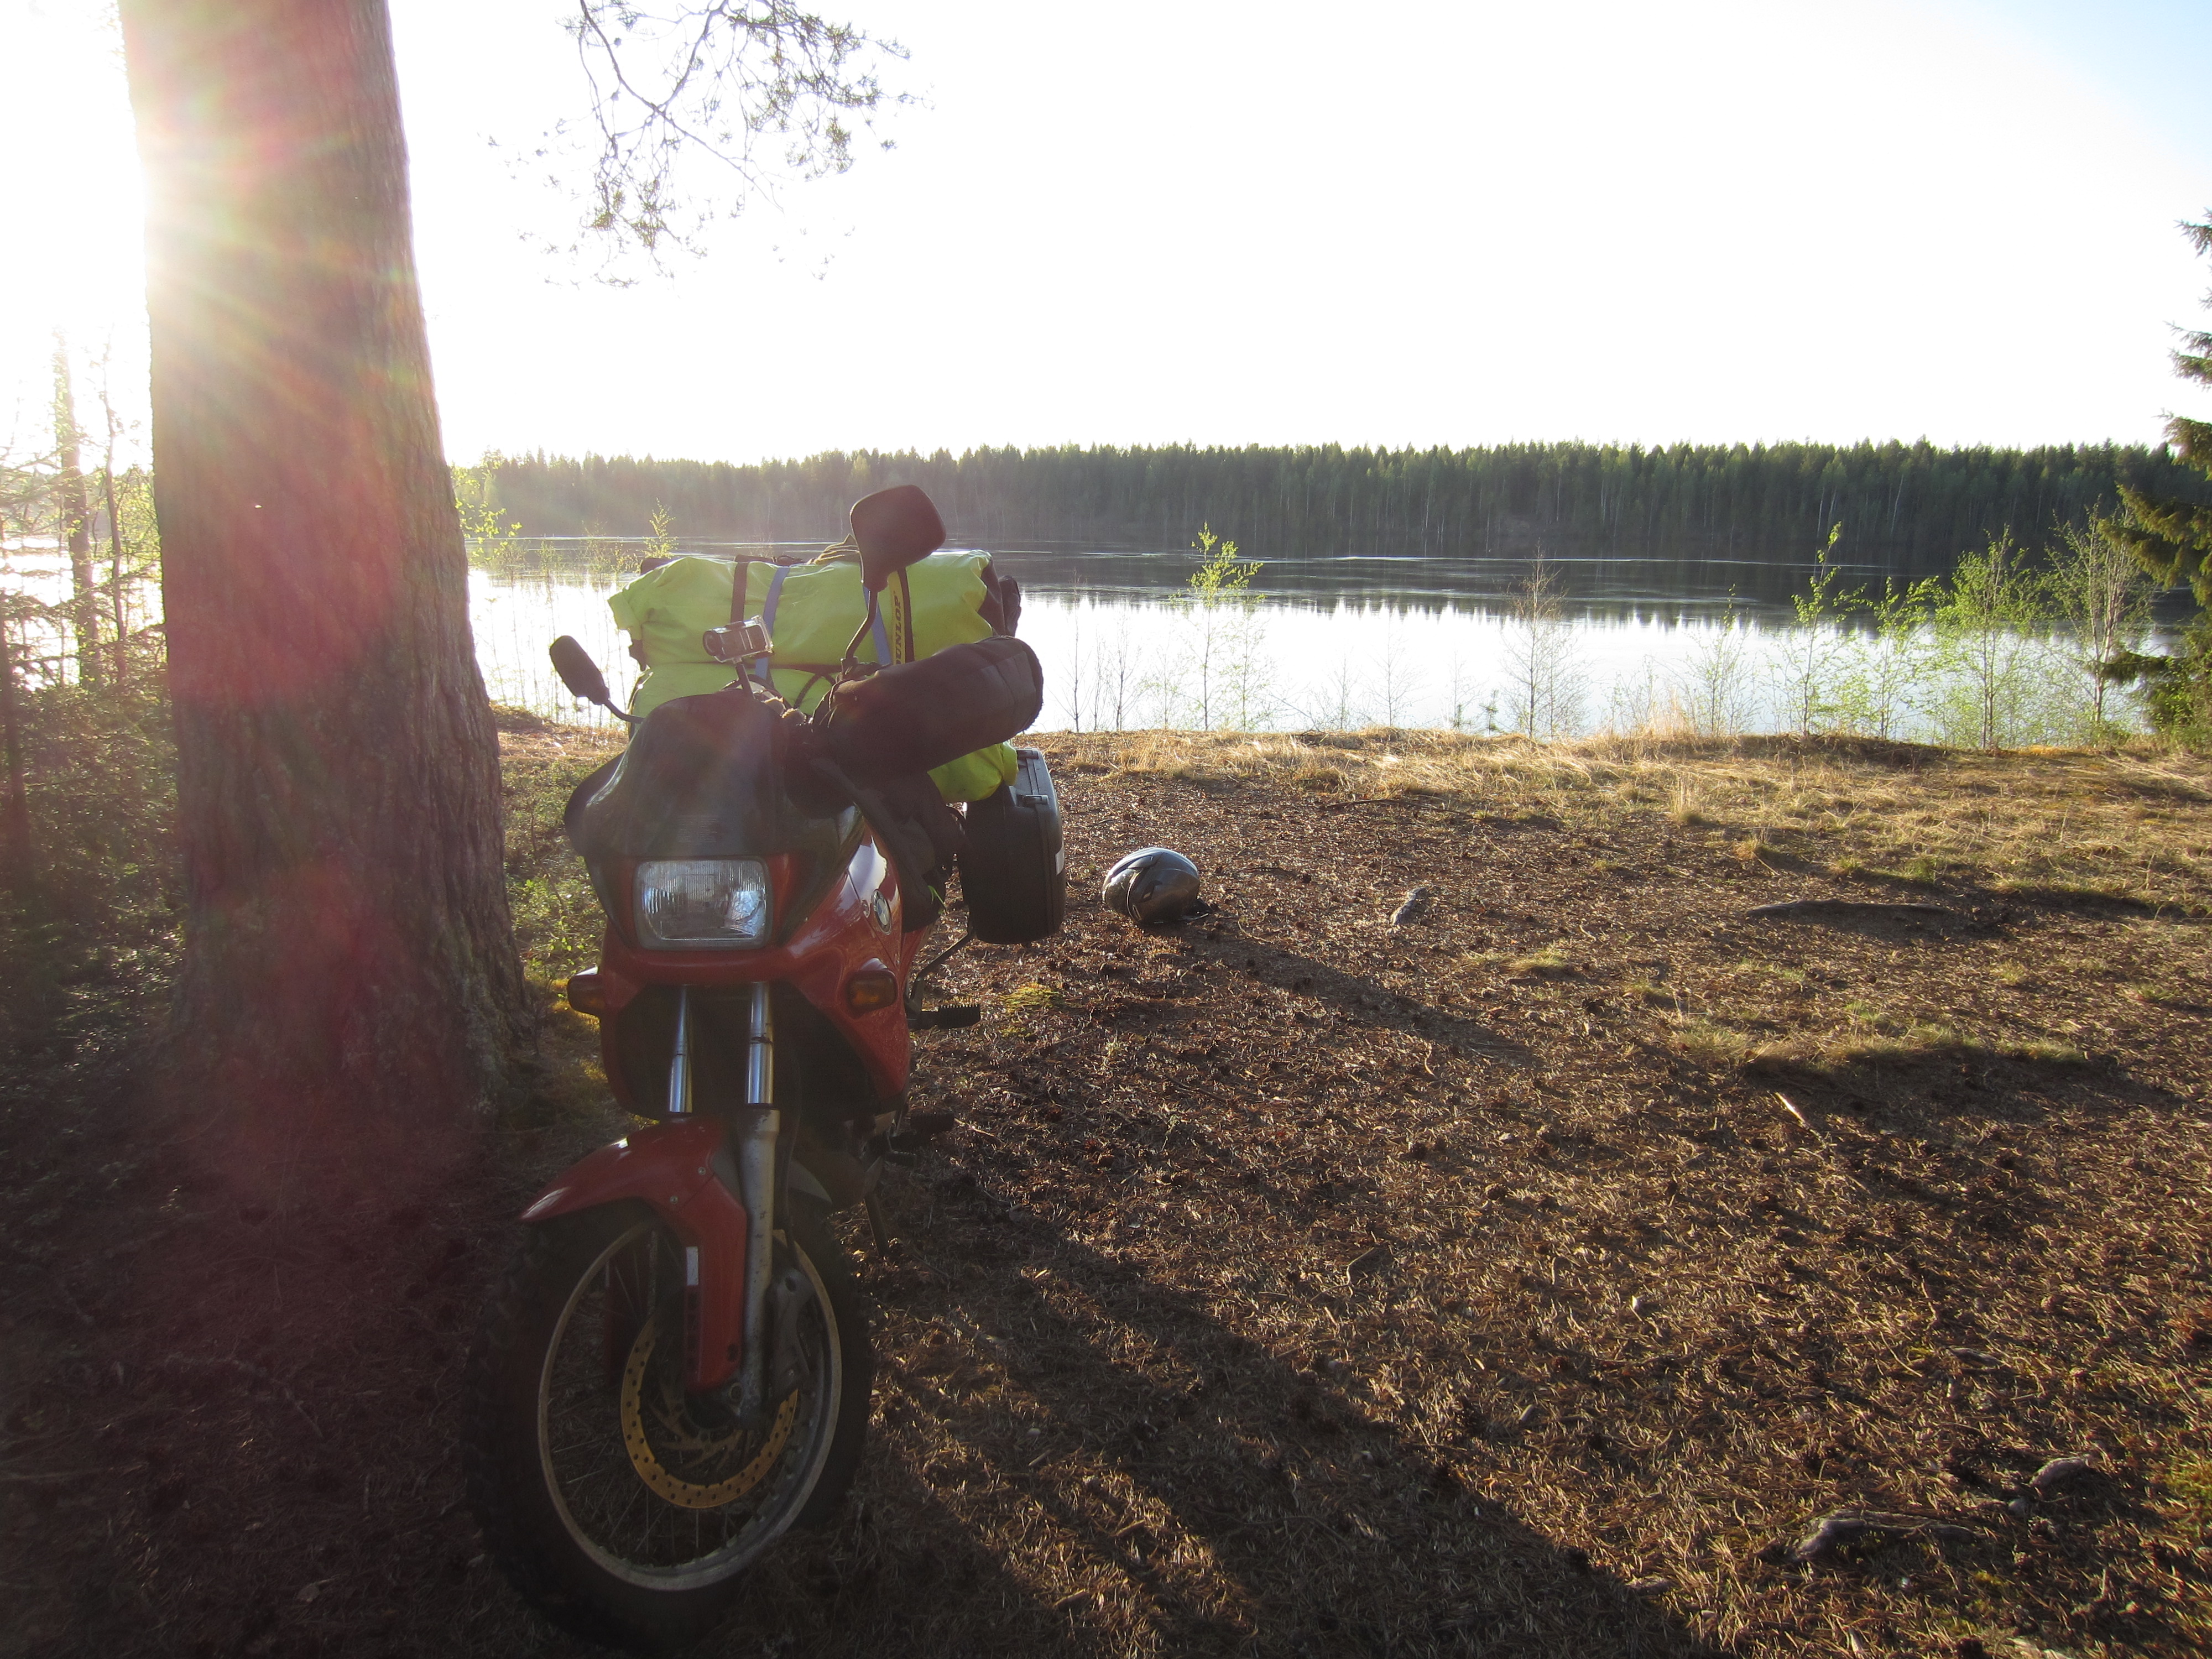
921	714
900	721
903	720
1013	864
883	734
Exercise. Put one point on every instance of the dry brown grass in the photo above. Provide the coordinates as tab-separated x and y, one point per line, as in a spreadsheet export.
1520	1281
2128	825
1629	1303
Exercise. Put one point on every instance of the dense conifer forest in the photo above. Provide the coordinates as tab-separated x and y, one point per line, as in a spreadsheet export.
1910	507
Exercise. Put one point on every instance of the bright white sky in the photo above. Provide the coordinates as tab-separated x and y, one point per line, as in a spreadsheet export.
1454	223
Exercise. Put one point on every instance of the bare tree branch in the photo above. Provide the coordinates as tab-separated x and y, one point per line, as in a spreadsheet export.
757	90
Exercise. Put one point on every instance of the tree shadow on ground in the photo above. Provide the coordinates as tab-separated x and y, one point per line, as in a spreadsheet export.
1198	1492
1948	1078
1887	924
1364	1002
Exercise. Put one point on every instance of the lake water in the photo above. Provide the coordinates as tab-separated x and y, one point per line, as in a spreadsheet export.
1330	643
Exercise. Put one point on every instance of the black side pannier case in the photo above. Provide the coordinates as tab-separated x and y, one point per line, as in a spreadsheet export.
1013	870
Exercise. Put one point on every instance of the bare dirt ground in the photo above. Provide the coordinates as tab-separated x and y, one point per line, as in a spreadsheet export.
1528	1276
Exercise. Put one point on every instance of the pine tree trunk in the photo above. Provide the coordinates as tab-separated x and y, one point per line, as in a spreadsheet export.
350	996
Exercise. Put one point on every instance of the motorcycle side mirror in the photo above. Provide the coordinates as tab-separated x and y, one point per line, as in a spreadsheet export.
895	528
578	671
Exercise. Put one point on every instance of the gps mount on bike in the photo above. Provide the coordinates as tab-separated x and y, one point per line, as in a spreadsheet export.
739	644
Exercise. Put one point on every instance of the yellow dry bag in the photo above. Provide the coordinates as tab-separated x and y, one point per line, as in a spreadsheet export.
810	611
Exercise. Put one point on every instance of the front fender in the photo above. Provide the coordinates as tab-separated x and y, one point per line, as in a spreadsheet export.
670	1169
663	1166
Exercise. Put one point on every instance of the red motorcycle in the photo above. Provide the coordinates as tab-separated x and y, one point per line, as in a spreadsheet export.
675	1371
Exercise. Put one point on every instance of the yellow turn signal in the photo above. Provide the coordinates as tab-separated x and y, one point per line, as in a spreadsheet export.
871	988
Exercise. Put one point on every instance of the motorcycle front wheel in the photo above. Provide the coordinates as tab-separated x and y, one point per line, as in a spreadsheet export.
626	1510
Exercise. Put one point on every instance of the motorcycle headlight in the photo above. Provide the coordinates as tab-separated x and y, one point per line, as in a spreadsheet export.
702	902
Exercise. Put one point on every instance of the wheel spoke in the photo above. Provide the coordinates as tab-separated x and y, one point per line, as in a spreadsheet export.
624	1449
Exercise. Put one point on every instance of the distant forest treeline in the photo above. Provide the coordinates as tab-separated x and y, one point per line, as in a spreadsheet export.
1910	507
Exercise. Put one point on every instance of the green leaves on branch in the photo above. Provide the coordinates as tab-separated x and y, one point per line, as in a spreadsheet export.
660	543
2172	539
1222	578
1989	626
495	541
2008	651
490	535
1218	670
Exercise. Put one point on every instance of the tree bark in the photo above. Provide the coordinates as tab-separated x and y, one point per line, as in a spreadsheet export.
350	996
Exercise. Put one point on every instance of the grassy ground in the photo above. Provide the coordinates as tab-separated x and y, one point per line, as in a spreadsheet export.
1527	1277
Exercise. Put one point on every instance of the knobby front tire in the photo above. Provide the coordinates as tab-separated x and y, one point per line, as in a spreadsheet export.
624	1511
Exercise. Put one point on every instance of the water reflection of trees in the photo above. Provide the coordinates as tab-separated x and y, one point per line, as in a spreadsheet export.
1707	646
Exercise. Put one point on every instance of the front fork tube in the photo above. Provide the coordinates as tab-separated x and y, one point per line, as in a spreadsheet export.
679	1057
753	1136
757	1126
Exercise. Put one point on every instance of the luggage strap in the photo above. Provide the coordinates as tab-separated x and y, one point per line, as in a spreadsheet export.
767	618
766	666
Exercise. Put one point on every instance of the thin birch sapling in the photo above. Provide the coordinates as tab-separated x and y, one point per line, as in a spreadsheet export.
1989	625
1886	671
1815	647
1543	685
2102	595
1225	634
1717	688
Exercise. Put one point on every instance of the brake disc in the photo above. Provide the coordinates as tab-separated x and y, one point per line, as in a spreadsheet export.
677	1432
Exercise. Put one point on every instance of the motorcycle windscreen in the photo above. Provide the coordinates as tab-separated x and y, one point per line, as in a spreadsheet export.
703	777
